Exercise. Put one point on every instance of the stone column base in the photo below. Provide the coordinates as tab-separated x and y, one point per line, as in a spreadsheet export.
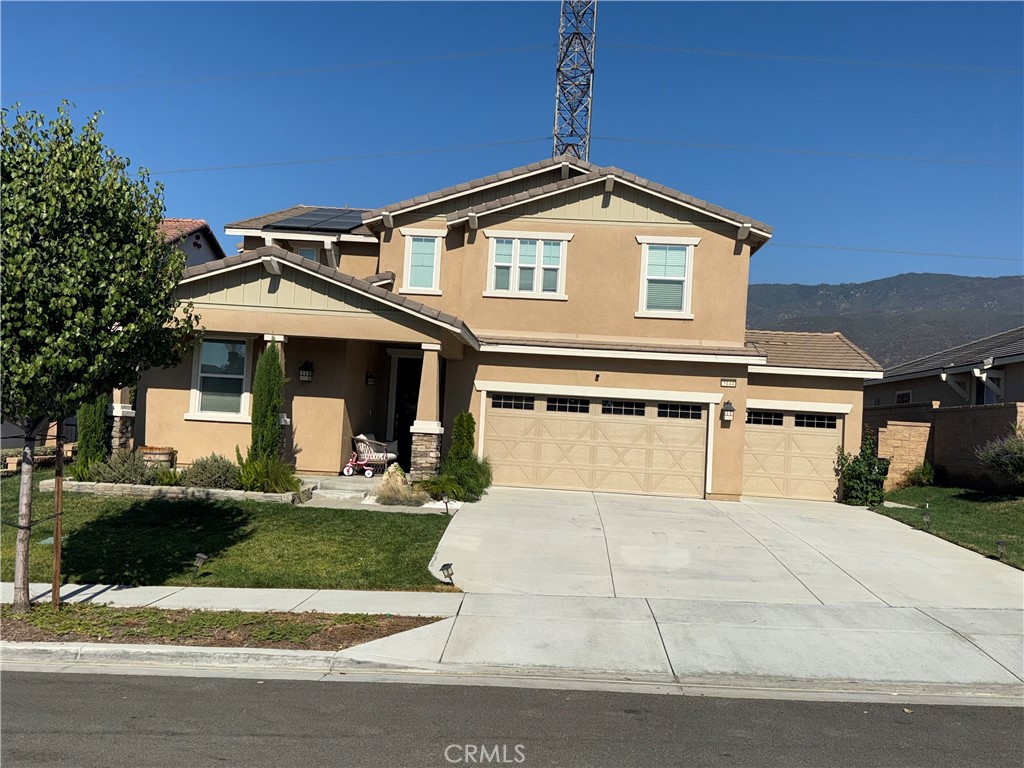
122	434
426	455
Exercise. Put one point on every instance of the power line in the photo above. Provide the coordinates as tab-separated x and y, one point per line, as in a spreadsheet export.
818	152
343	158
284	72
897	252
817	59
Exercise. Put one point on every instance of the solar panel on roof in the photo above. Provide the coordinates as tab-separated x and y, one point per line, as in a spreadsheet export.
329	220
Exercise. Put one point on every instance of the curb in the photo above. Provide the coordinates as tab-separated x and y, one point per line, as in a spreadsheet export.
250	662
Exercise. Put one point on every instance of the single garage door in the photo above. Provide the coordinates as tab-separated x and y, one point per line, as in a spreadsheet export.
627	446
791	455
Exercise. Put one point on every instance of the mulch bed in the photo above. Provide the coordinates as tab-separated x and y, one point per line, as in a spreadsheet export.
294	631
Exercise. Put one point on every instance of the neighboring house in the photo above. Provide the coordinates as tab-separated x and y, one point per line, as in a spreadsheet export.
982	372
941	408
592	321
195	238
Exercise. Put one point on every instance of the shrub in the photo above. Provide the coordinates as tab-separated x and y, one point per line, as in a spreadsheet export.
266	474
213	471
92	430
124	467
40	450
1005	455
393	489
267	403
82	471
167	476
463	476
921	475
439	485
861	477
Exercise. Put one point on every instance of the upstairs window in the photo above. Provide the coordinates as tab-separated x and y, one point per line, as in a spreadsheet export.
422	261
524	266
308	253
903	398
666	278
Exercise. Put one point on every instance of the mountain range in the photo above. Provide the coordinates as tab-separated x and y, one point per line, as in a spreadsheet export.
895	319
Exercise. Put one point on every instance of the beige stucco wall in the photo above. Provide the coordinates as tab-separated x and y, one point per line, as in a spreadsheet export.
602	265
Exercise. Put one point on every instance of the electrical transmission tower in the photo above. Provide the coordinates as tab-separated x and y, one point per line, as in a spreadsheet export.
574	87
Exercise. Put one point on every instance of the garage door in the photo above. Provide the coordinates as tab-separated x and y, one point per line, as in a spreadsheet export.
628	446
791	455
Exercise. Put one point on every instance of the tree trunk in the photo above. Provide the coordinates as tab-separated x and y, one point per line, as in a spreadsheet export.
21	593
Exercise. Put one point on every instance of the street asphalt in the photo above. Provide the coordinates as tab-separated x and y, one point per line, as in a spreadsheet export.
156	722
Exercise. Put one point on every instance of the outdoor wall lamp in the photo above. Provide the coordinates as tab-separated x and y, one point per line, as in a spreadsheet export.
371	379
306	371
448	572
200	559
728	411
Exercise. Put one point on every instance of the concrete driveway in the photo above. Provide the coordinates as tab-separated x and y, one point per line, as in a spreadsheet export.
527	541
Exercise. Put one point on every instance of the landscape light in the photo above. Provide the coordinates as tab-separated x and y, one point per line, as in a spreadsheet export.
200	559
444	498
1002	548
448	572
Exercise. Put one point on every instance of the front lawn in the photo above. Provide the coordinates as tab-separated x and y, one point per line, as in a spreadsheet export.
972	519
249	544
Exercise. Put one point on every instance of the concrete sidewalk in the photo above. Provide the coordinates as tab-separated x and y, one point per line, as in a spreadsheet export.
795	648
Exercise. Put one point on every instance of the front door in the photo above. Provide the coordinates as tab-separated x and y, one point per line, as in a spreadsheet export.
407	393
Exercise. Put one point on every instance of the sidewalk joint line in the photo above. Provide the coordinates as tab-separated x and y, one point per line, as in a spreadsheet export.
969	640
455	618
164	597
306	599
607	550
657	626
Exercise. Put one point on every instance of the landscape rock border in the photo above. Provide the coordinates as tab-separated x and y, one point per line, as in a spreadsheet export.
305	493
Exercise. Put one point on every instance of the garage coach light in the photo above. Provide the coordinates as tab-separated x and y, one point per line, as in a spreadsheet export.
728	411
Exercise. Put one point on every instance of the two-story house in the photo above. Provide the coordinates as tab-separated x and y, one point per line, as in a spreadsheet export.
591	320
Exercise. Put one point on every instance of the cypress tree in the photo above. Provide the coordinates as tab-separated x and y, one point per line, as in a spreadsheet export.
463	439
267	402
92	430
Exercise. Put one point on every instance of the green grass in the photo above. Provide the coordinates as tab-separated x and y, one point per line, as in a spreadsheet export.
972	519
249	544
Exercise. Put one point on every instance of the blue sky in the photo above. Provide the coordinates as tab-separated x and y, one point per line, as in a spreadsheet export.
267	82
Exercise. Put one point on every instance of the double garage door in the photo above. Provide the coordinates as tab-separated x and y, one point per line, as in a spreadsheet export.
791	455
626	446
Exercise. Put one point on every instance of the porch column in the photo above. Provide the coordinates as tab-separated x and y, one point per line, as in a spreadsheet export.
427	429
122	432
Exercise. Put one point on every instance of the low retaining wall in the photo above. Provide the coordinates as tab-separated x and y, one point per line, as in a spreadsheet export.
946	438
178	492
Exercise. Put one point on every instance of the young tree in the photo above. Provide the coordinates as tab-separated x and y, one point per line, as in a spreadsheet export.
88	282
267	402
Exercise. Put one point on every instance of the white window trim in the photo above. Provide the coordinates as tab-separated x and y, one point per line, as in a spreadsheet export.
686	313
409	233
909	393
194	414
493	235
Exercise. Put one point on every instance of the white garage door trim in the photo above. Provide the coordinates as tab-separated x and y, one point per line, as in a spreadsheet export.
608	392
794	405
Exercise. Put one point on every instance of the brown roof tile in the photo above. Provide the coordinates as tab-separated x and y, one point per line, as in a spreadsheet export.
175	229
831	351
466	186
